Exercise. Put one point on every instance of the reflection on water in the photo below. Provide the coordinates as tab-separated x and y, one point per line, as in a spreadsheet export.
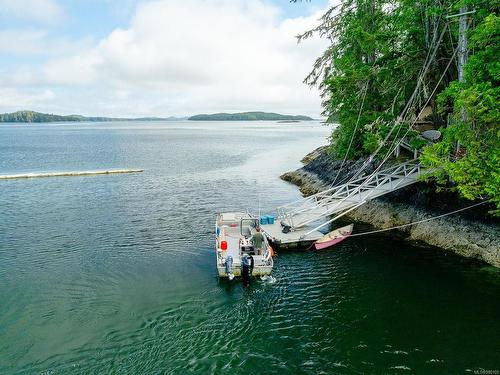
117	273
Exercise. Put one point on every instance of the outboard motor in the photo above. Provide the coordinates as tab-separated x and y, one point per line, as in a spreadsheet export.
247	263
229	267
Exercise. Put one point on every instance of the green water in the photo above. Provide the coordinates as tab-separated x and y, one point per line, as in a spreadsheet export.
116	274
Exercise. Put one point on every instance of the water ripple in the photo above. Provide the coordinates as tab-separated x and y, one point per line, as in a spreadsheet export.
115	274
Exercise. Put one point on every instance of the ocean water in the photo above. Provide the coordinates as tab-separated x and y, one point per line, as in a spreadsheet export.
116	273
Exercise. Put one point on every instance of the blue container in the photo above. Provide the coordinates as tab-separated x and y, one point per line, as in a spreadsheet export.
263	220
270	219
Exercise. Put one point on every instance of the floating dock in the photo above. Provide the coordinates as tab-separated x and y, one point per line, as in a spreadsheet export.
295	239
66	174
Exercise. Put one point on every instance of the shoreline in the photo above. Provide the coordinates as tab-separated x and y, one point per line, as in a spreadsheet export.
469	234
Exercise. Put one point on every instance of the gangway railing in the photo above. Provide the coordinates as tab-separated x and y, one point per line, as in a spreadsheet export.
345	196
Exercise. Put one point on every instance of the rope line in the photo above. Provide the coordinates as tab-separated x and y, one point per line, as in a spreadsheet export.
414	121
431	54
353	134
417	222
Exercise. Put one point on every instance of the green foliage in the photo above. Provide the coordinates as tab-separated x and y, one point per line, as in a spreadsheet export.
372	67
30	116
474	166
379	48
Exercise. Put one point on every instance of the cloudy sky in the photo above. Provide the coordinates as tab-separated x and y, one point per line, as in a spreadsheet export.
157	58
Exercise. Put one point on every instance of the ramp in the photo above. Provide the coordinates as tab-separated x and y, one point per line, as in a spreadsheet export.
306	216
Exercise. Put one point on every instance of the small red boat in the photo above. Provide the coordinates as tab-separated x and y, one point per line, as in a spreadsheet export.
334	237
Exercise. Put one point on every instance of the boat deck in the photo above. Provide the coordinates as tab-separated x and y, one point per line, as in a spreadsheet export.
291	239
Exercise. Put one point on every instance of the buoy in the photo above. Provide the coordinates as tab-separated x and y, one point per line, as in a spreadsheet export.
223	245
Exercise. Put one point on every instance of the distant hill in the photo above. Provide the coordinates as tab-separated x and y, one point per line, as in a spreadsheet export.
31	116
248	116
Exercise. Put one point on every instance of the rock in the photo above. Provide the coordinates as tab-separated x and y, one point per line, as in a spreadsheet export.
314	154
471	233
308	182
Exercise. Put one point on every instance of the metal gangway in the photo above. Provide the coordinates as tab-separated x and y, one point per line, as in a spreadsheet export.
296	219
336	201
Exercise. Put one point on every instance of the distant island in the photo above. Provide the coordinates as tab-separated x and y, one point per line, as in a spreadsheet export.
37	117
31	116
249	116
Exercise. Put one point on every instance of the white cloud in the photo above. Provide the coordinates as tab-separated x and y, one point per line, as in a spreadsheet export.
45	11
182	57
75	70
21	41
15	99
39	42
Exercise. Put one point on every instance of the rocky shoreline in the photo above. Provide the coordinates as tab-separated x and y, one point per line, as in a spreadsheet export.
471	233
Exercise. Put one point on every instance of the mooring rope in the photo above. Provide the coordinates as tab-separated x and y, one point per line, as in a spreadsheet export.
417	222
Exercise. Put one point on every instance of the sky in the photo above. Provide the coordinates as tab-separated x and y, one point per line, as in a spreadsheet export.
134	58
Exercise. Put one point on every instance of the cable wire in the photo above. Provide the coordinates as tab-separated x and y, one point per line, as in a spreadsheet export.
417	222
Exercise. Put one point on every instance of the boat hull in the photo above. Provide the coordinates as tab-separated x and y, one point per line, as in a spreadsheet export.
333	237
257	271
324	245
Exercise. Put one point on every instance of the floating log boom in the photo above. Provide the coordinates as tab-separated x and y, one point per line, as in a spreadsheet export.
66	174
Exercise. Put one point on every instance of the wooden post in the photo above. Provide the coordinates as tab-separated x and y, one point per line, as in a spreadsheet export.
462	56
462	43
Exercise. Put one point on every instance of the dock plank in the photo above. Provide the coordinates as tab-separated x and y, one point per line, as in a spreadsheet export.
273	231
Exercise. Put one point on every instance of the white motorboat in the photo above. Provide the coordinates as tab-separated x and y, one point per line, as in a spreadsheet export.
241	247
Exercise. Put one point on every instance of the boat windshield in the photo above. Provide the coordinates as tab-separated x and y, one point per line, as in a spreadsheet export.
247	226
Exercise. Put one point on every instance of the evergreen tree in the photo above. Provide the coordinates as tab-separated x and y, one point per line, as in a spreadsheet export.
386	61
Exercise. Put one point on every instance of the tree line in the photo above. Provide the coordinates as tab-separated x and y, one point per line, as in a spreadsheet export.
392	64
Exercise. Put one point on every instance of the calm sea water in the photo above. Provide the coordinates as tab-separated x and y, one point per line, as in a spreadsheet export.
116	274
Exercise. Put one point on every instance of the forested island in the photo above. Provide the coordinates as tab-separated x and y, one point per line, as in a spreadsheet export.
32	116
249	116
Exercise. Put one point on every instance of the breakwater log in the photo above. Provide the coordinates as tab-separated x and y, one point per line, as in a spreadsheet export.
66	174
471	233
